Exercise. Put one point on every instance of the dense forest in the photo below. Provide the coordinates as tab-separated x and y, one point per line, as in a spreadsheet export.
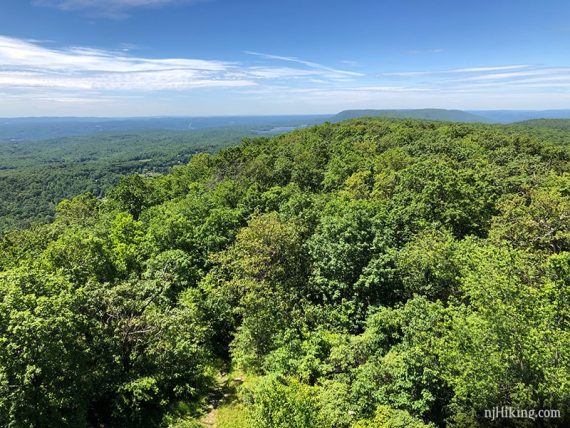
563	124
364	274
36	175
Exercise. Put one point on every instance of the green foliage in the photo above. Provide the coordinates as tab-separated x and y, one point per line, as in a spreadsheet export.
340	249
440	193
131	194
36	175
234	416
371	273
539	219
515	322
563	124
386	417
427	265
266	271
44	354
280	402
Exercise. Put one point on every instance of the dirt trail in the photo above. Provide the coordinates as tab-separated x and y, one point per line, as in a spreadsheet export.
224	394
210	419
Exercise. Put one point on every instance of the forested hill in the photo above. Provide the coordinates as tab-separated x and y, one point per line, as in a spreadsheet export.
562	124
363	274
36	175
425	114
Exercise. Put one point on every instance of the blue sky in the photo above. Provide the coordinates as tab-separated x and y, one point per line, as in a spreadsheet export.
233	57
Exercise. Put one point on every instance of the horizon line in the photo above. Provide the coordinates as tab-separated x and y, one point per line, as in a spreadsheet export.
279	115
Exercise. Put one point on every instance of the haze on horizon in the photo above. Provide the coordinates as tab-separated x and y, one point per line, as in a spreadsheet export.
129	58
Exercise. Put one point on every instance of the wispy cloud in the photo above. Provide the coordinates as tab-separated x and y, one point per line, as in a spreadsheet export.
35	76
424	51
29	65
108	8
406	73
309	64
493	68
25	64
503	79
457	70
500	76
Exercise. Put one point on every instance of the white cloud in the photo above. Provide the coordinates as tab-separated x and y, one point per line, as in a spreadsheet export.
483	69
144	82
108	8
501	78
544	74
425	51
40	78
22	53
456	70
25	64
498	76
37	72
407	73
281	72
310	64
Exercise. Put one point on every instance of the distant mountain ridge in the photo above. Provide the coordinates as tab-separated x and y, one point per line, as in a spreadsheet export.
42	128
446	115
424	114
511	116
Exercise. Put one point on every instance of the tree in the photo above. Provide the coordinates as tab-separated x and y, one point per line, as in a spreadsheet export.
45	356
265	267
132	194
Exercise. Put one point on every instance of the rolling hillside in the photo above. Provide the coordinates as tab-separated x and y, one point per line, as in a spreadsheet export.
362	274
560	124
